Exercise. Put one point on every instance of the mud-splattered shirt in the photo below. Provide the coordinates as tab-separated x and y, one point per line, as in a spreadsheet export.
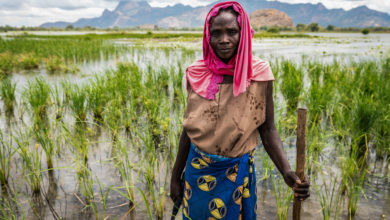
227	125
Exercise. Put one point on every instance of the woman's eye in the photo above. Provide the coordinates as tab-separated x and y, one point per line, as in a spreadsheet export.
233	32
214	34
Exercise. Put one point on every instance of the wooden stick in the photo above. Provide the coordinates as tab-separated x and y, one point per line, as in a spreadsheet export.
301	149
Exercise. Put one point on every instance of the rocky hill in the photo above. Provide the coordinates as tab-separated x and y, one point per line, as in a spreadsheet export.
270	17
131	13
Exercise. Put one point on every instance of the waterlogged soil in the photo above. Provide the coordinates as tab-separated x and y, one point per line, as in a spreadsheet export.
61	187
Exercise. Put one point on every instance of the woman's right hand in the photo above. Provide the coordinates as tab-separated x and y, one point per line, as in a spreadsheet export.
176	193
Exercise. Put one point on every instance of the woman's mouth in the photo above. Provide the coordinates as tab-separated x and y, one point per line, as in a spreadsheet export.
225	50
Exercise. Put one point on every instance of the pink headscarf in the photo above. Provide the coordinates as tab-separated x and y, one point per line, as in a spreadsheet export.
204	75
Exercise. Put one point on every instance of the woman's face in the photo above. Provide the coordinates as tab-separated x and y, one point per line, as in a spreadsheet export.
224	35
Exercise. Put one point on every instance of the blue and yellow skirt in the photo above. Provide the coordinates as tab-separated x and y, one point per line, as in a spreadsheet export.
218	187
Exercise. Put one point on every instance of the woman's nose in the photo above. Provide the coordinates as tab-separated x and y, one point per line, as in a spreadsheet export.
224	39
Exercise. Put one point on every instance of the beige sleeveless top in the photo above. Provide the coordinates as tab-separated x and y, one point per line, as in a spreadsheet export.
227	125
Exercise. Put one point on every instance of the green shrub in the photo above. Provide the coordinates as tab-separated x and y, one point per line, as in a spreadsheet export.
365	31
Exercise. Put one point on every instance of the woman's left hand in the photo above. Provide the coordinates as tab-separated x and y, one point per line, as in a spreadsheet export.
301	189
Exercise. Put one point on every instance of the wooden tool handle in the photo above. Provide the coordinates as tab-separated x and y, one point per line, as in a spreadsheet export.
301	149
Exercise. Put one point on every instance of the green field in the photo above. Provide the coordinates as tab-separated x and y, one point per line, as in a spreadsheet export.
101	145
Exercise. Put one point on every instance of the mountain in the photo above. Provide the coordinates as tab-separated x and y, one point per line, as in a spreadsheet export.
131	13
269	18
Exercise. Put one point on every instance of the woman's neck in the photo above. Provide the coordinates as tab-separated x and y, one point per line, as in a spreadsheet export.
227	79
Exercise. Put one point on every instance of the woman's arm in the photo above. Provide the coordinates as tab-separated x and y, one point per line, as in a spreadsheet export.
181	159
273	146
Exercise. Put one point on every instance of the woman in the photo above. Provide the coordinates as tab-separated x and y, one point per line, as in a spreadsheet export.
229	105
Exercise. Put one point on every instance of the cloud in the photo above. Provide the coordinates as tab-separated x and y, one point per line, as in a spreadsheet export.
379	5
63	4
36	12
193	3
11	5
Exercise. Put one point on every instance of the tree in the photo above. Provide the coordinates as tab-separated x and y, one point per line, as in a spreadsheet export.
313	27
69	27
365	31
301	27
330	27
274	30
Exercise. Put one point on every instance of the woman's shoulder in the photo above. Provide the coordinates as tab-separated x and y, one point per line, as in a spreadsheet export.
199	64
257	63
261	70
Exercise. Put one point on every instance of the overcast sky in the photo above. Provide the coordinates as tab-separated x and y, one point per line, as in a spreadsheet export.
36	12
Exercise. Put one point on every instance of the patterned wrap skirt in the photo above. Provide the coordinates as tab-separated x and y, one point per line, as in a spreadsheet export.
218	187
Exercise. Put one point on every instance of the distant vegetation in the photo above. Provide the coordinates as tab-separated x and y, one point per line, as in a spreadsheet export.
313	27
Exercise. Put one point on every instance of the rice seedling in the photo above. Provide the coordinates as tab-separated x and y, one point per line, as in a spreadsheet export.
353	174
31	158
283	195
71	49
44	138
382	125
58	98
292	85
163	79
7	92
80	143
78	102
319	95
363	114
125	168
148	211
113	117
267	166
89	192
314	72
155	185
329	196
37	95
177	84
103	199
382	135
6	63
10	207
6	154
66	87
27	61
54	64
97	97
58	65
129	116
316	142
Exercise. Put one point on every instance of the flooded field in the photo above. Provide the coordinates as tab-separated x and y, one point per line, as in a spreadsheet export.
90	124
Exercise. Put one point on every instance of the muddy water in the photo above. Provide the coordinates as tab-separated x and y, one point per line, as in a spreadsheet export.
61	188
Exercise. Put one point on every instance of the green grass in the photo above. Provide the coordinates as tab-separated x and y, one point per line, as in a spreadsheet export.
329	195
6	154
78	102
283	195
30	155
292	84
37	96
67	48
46	141
7	92
97	96
6	63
